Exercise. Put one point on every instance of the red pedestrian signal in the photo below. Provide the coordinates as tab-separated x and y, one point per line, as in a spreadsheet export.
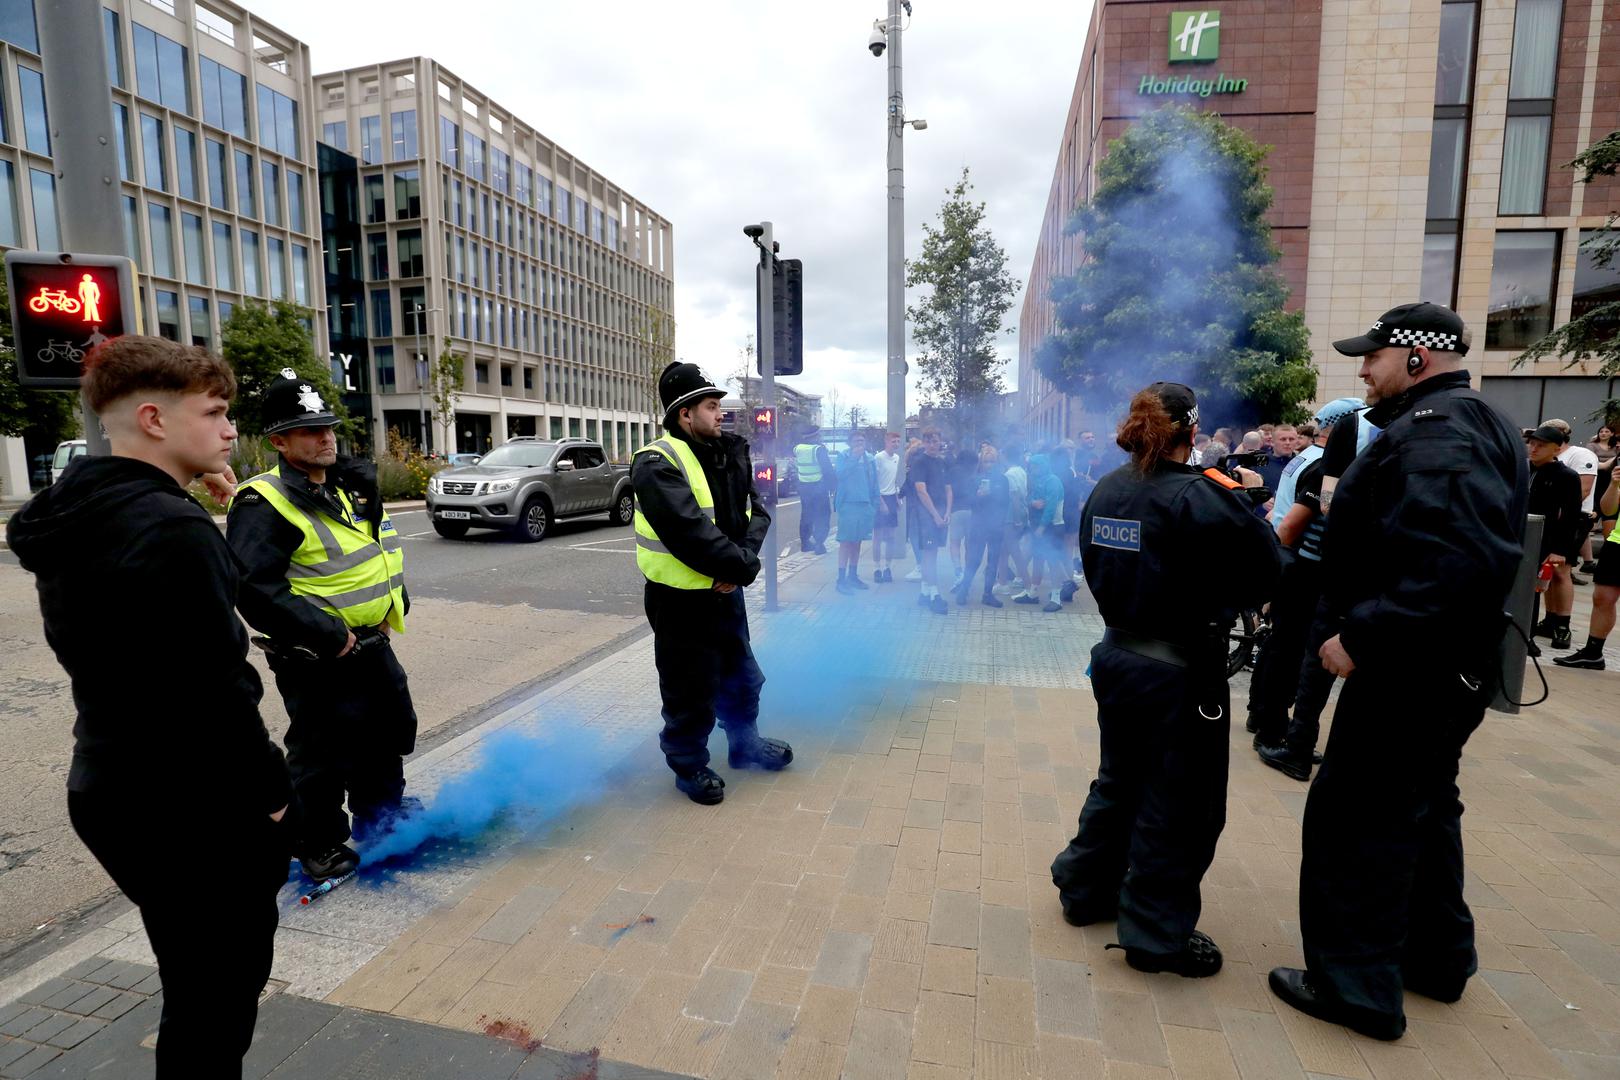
765	422
62	306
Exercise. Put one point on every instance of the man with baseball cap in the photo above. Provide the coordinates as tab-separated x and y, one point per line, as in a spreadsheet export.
324	583
699	528
1424	538
1555	494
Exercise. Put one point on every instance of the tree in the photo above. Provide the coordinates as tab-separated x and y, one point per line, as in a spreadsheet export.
445	380
1179	280
1593	336
655	332
745	379
956	324
835	412
258	341
43	417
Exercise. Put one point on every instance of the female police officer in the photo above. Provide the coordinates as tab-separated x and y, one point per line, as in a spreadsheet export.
1171	554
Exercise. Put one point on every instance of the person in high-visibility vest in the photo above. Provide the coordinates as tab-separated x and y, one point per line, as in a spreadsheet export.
817	481
325	584
699	526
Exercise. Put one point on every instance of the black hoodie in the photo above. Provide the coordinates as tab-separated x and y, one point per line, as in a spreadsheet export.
138	590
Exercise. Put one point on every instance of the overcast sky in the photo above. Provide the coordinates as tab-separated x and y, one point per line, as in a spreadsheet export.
718	113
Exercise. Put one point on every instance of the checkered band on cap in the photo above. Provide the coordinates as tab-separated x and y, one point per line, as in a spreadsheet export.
1426	338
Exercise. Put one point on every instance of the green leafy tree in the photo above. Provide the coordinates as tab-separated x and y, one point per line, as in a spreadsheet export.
258	341
1180	280
1593	336
444	390
43	417
955	325
654	331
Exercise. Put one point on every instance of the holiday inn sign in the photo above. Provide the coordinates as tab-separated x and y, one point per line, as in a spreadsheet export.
1195	37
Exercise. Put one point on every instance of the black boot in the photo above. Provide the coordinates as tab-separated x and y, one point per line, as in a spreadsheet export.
702	786
989	599
1286	761
855	580
339	861
1200	959
756	752
1296	988
843	585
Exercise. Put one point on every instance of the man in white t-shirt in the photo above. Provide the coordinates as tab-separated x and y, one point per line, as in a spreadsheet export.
1585	463
886	523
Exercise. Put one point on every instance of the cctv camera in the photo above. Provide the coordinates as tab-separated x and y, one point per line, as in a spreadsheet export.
754	231
877	42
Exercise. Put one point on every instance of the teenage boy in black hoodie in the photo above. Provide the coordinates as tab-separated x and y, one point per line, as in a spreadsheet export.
173	772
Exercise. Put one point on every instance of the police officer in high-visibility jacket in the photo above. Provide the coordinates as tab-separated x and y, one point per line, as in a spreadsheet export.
699	527
816	481
324	582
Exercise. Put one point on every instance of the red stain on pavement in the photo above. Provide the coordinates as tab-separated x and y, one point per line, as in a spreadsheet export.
590	1064
510	1031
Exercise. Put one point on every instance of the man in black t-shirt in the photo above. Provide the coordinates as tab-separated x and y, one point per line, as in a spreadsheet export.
929	515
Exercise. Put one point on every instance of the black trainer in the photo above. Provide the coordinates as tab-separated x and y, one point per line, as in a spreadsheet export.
1200	959
703	786
1285	761
1560	638
989	600
938	604
333	864
1544	628
961	597
760	753
1295	987
1581	658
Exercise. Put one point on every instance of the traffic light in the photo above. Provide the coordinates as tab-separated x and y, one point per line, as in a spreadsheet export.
787	306
765	423
764	450
62	306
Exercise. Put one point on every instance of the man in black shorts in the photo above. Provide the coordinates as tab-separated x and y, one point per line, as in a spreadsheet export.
929	515
1555	494
1605	593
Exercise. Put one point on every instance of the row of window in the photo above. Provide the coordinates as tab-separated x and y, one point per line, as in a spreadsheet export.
42	191
1524	285
270	267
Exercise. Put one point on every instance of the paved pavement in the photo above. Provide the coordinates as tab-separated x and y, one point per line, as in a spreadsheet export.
883	908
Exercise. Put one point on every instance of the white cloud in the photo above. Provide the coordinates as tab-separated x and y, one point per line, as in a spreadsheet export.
718	113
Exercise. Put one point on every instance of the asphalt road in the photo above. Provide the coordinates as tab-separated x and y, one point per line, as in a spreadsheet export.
584	564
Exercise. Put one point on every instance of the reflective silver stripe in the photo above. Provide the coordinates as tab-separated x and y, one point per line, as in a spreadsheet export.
651	545
329	541
356	597
675	456
332	566
391	542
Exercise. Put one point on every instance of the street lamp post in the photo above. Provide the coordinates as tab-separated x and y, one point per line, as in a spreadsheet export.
421	371
886	34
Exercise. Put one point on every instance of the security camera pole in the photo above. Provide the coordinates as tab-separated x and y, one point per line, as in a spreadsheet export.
897	229
764	296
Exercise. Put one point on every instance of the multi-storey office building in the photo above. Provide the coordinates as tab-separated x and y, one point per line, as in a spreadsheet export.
216	161
481	235
1419	151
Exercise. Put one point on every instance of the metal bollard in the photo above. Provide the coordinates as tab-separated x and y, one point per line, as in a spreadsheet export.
1520	603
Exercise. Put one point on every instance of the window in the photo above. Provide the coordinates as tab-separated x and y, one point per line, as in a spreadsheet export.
162	73
410	253
36	125
385	368
218	194
542	201
191	241
159	222
413	310
252	282
403	130
126	145
407	194
382	314
377	256
157	172
475	156
17	24
454	188
185	164
246	204
271	192
376	208
1595	285
224	257
481	373
523	180
1535	49
596	225
278	122
1524	164
8	206
225	312
449	141
336	135
580	207
295	200
1523	286
132	227
300	272
202	330
1454	79
500	170
275	251
113	36
1439	268
371	149
168	314
224	97
562	205
47	227
1532	82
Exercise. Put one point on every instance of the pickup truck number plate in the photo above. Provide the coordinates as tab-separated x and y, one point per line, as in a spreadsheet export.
456	515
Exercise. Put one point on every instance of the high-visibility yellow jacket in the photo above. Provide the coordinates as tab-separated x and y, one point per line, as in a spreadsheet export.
652	557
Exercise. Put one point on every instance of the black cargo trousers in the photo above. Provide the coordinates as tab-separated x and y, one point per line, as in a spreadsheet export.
1149	827
706	670
352	723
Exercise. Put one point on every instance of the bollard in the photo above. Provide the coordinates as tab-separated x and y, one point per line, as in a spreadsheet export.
1520	602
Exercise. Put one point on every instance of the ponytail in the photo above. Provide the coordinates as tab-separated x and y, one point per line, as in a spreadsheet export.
1148	433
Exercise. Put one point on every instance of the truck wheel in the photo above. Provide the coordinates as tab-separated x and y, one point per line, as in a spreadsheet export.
625	512
534	522
451	530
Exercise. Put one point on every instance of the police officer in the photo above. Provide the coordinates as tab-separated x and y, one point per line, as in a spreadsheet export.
324	581
1423	540
1172	555
816	480
699	527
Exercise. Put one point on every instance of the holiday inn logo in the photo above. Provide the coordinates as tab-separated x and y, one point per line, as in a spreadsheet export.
1195	35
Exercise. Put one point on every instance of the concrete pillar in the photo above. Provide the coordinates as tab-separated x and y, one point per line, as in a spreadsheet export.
13	469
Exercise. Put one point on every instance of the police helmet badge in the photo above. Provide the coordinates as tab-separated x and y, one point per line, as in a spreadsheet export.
309	399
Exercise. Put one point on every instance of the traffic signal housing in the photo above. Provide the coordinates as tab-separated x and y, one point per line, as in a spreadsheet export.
765	423
62	306
787	306
764	453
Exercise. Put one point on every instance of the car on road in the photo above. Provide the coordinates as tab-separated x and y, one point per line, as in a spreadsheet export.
465	459
525	484
66	452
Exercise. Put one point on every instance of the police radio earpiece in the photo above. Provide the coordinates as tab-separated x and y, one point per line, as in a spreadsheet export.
1414	362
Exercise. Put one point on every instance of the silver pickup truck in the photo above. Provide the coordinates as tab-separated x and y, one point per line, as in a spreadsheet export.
525	484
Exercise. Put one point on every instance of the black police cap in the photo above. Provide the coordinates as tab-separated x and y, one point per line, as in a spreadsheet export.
1409	326
292	401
